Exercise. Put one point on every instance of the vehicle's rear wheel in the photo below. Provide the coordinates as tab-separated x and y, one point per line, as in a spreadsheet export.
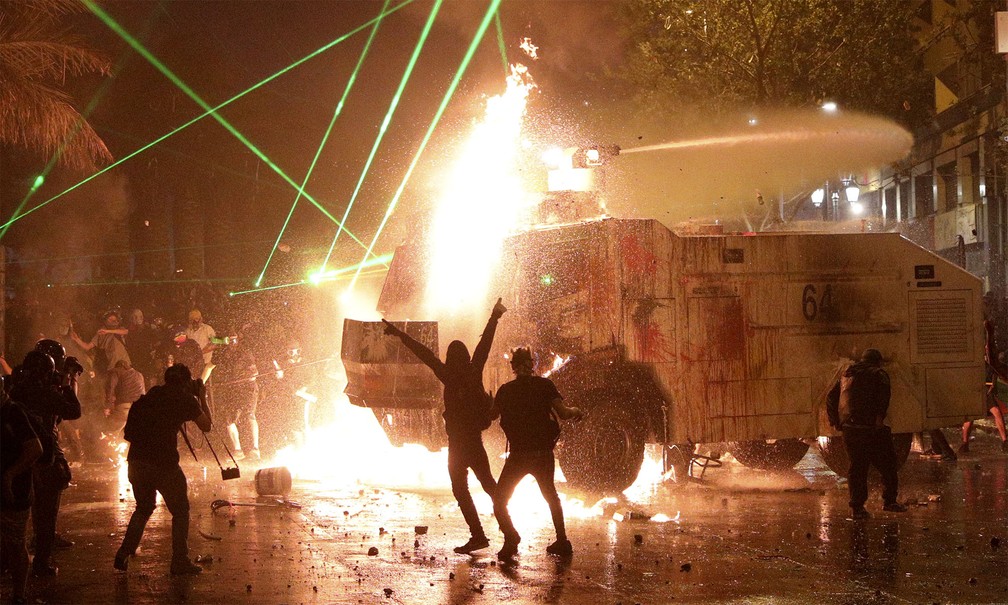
769	455
604	451
834	453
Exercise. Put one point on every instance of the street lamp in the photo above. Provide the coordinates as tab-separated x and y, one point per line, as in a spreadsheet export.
852	191
817	197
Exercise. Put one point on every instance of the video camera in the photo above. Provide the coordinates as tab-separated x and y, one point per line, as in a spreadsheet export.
72	367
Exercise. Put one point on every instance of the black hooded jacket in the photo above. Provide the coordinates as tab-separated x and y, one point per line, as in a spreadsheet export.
465	412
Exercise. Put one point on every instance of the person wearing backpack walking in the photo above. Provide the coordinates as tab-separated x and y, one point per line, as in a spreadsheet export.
857	406
529	408
466	416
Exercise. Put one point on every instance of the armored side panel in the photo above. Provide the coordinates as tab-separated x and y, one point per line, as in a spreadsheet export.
381	372
769	322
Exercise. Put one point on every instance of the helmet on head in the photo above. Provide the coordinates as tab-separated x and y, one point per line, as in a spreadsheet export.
872	357
38	365
195	315
53	349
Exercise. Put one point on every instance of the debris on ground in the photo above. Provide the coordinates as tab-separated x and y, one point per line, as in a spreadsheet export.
373	551
420	529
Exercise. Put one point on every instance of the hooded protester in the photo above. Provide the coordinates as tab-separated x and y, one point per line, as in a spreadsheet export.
465	415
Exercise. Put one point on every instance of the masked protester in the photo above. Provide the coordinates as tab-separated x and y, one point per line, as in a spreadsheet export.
464	416
529	407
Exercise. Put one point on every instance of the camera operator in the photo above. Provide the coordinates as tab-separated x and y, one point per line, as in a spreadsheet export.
49	396
152	428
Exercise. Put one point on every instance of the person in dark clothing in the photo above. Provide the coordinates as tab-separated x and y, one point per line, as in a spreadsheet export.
529	407
152	429
141	342
465	417
857	406
49	398
20	447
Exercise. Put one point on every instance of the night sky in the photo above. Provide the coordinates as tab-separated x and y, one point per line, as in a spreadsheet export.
203	187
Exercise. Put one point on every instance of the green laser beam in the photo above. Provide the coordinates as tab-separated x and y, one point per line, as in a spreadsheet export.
146	54
388	118
501	44
40	179
325	137
322	275
303	282
494	4
261	83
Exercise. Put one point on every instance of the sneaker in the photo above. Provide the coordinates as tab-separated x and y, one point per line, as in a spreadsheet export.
562	548
254	454
475	543
121	561
61	542
185	567
949	457
509	550
895	507
238	455
964	448
1004	446
860	513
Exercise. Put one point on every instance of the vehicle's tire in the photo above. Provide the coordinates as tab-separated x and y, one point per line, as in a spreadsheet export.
604	451
834	453
769	455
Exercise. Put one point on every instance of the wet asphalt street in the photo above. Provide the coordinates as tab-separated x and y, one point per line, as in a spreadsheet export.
737	536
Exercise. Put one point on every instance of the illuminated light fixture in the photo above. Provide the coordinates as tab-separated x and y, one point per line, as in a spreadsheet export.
835	197
829	106
852	191
593	157
817	197
753	121
857	207
547	280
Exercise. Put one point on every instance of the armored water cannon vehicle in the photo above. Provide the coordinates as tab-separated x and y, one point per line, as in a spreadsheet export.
703	339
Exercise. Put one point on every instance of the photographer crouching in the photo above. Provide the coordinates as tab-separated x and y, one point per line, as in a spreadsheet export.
152	428
46	386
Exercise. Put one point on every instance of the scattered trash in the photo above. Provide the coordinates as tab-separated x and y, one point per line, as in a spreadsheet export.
219	504
373	551
637	515
420	529
248	588
685	567
934	498
972	581
995	542
638	539
208	559
451	576
388	592
231	522
381	531
416	543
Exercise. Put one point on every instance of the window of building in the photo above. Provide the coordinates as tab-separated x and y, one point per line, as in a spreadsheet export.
923	195
948	188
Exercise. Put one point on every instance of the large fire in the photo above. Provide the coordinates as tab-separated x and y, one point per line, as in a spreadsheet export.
483	200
